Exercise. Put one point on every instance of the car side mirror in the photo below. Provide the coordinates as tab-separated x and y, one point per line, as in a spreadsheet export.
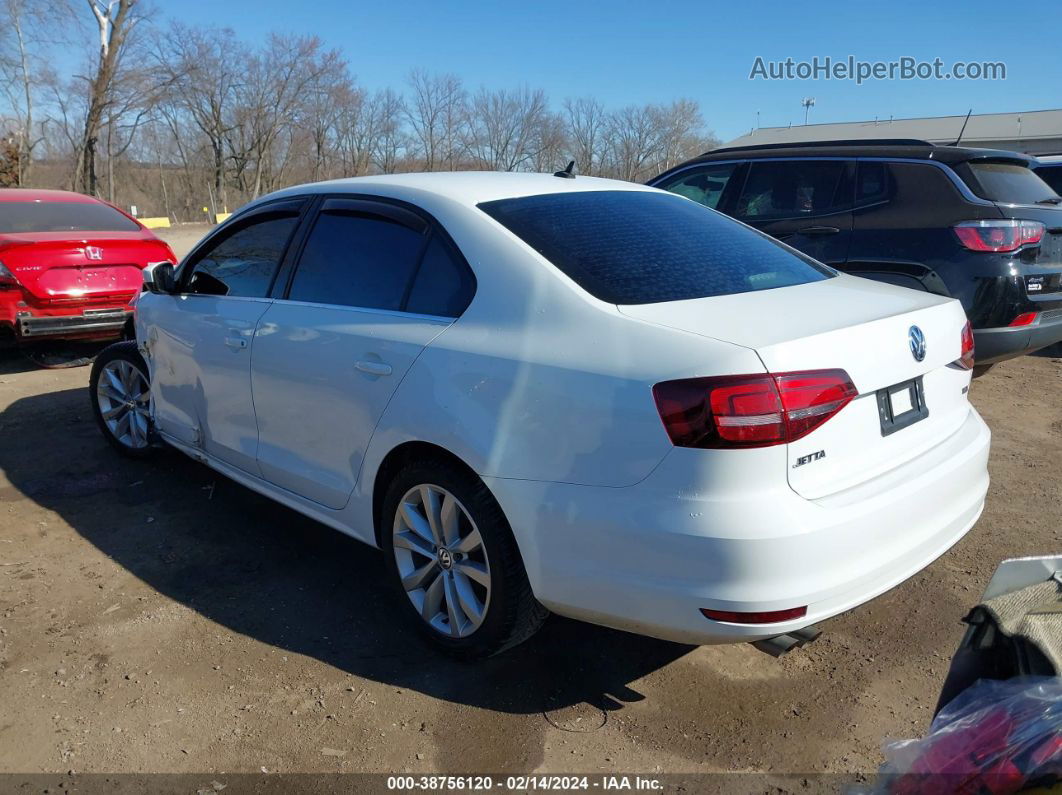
159	278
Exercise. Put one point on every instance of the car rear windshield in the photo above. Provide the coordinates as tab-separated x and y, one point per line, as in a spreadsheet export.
1008	183
46	216
642	247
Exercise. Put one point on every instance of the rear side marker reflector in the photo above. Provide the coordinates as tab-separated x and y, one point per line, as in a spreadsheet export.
1025	319
750	410
768	617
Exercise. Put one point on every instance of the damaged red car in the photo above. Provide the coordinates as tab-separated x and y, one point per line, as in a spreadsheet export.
69	266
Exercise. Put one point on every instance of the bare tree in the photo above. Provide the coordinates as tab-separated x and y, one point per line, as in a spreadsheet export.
202	68
206	119
30	26
327	89
681	135
585	127
115	20
503	127
634	137
388	109
436	113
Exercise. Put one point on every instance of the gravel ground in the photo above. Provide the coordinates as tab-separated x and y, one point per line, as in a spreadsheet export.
156	617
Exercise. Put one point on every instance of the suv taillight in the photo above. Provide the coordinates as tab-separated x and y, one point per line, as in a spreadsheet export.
750	410
999	235
966	358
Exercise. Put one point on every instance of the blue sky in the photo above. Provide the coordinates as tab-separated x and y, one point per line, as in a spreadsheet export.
633	52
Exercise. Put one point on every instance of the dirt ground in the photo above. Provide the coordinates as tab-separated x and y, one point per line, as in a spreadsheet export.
156	617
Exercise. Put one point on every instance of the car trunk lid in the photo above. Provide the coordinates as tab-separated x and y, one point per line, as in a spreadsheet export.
862	327
54	267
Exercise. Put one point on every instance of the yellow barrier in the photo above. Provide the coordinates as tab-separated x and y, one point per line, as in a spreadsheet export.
221	217
161	222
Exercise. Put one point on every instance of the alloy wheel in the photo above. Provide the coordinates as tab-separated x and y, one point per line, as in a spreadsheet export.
124	397
441	560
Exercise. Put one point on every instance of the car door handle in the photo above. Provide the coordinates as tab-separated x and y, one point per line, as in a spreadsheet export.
818	230
236	342
373	368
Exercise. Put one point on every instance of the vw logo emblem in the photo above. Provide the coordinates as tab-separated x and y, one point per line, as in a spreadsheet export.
446	559
918	343
93	252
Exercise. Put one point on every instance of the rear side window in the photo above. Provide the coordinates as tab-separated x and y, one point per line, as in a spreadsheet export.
242	264
47	216
873	184
703	185
443	285
357	260
1008	183
642	247
1052	175
794	189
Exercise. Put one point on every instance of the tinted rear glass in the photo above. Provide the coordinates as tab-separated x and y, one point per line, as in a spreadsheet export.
1008	183
640	247
62	217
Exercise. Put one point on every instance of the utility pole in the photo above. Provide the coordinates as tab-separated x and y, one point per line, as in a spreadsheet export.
808	103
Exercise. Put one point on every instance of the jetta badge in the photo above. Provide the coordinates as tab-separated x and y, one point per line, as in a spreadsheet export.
918	343
93	252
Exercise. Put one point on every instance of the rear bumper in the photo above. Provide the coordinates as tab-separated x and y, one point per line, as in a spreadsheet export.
91	321
646	558
997	344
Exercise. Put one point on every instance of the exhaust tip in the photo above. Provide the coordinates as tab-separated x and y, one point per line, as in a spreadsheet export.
780	644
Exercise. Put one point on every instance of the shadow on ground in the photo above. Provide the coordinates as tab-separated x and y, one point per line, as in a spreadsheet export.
264	571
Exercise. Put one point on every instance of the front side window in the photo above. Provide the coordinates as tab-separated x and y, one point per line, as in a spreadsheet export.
703	185
794	189
642	247
45	216
242	263
357	260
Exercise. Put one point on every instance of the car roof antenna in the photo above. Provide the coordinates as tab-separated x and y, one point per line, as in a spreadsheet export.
963	128
567	172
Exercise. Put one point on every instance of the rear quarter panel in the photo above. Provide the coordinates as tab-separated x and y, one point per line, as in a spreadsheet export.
540	381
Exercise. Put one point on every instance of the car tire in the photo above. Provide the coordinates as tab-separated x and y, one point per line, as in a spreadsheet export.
118	390
466	558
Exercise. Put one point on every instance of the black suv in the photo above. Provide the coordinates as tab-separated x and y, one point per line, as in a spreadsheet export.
974	224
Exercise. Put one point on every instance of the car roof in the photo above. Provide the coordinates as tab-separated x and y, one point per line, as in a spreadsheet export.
1049	160
887	148
465	187
36	195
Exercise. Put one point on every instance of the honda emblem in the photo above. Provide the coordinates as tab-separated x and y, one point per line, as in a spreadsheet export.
93	252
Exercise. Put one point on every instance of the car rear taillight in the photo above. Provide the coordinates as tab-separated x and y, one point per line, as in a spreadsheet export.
1025	319
999	235
750	410
966	358
7	278
762	617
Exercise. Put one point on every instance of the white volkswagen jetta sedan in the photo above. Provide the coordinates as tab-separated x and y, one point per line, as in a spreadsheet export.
575	395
